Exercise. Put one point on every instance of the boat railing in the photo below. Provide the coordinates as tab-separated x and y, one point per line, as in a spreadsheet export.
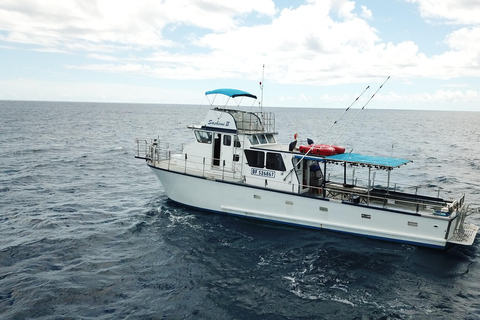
154	150
377	196
398	195
392	188
364	196
255	121
142	151
268	121
380	198
210	168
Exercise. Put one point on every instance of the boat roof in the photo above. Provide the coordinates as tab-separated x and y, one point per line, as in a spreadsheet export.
232	93
364	160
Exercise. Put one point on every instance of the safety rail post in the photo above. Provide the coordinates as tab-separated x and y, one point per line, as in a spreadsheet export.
153	155
223	170
185	163
416	200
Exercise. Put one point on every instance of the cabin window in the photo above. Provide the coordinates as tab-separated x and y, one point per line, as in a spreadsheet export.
203	136
275	161
255	158
227	140
270	138
253	139
262	138
236	142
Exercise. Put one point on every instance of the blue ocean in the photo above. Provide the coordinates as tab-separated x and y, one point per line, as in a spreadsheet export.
86	230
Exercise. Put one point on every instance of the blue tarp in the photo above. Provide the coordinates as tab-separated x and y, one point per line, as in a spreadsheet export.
368	160
232	93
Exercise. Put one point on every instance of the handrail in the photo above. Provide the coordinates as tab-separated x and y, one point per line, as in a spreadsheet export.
157	152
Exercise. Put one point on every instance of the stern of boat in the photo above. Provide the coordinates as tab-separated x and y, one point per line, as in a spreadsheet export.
463	233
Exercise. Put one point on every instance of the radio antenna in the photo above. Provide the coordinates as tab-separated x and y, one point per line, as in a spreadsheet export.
261	88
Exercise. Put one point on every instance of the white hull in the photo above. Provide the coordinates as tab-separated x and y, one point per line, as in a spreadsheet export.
294	209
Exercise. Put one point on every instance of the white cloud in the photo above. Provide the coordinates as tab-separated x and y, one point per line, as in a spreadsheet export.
300	45
463	12
437	96
366	13
90	91
65	23
319	42
465	42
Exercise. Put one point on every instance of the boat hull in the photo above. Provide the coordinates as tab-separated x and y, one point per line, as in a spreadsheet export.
300	210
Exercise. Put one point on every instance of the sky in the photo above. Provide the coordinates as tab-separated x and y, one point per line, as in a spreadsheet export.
310	53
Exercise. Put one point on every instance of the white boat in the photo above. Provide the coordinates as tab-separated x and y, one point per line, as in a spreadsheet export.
234	165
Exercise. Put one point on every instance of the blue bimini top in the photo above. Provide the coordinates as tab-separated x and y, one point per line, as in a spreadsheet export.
360	159
232	93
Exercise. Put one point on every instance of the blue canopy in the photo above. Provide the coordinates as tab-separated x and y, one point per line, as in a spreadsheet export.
233	93
368	160
354	158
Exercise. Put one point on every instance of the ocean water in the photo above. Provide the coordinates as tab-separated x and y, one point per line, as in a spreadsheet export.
86	230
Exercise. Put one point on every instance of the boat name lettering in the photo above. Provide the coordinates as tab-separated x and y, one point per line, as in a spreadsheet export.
263	173
218	123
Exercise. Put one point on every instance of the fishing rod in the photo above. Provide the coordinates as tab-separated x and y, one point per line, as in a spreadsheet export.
361	110
334	123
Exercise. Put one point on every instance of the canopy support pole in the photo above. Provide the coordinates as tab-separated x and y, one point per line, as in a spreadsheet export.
369	184
388	180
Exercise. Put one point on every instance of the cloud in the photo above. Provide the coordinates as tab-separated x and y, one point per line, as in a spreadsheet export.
141	23
315	42
460	12
366	13
439	96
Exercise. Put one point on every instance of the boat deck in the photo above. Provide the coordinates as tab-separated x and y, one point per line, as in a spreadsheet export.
357	195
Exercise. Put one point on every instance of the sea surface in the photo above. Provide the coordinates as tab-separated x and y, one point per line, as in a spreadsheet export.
86	230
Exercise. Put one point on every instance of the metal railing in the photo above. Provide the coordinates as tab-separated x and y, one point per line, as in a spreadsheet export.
159	154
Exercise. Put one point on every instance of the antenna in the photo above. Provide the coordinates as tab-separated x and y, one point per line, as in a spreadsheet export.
261	88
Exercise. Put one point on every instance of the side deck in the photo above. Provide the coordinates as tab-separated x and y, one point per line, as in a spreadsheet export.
375	197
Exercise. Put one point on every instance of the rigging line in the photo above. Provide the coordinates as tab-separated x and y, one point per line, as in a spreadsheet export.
334	123
361	110
341	116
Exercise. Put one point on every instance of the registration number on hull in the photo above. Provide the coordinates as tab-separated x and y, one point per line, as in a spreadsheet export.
262	173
